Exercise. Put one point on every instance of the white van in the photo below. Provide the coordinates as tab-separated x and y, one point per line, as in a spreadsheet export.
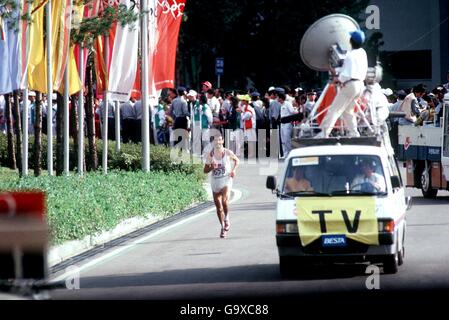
340	202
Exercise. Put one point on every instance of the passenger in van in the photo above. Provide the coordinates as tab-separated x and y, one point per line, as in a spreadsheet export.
369	180
296	181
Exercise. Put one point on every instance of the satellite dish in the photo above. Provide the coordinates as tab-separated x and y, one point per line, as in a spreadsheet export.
322	35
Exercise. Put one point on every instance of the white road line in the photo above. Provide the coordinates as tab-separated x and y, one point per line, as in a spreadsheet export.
120	250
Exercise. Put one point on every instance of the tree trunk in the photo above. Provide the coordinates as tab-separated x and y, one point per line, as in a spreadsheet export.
60	135
92	161
18	127
73	126
38	135
10	132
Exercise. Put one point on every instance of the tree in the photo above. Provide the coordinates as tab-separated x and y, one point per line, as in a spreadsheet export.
10	132
38	135
259	39
17	116
92	163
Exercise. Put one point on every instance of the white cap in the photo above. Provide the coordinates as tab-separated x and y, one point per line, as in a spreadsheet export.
271	89
192	93
388	92
31	94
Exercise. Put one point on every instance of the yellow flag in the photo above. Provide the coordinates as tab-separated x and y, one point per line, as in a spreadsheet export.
36	42
61	51
352	217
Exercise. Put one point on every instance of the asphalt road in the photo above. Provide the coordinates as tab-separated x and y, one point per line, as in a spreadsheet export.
190	261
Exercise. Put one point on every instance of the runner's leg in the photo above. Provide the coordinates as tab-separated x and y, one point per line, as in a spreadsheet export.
226	195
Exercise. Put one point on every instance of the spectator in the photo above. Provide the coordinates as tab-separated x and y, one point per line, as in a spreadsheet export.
206	85
128	115
439	93
234	125
275	109
213	103
111	121
180	114
310	103
410	105
160	124
248	120
286	128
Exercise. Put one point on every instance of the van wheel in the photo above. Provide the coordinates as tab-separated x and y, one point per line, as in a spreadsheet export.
401	255
391	263
426	185
286	266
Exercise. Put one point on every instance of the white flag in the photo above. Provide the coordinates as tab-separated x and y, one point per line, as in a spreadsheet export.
122	72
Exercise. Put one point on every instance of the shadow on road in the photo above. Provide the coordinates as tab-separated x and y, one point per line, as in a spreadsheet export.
259	206
421	201
238	274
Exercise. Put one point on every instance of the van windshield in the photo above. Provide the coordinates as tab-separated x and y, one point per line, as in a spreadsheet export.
338	175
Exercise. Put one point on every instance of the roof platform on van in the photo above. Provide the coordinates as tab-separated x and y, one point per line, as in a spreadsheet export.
331	141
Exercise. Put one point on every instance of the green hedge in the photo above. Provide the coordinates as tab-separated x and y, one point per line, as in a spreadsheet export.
81	206
129	158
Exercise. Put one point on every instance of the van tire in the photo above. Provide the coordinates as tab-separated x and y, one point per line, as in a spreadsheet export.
391	263
401	255
426	185
287	266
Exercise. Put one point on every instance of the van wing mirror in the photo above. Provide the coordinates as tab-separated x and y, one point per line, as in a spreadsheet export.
395	182
271	183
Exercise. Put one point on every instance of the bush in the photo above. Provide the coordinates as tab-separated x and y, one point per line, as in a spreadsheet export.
81	206
129	158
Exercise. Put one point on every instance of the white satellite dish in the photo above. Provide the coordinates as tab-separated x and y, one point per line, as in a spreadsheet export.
322	35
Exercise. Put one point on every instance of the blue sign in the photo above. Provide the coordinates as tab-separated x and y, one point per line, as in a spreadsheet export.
219	66
334	241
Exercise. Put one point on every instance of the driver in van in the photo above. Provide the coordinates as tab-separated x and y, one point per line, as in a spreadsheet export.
369	180
296	182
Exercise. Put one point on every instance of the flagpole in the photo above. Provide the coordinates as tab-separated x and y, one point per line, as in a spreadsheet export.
49	91
106	107
145	111
117	126
81	114
26	104
66	119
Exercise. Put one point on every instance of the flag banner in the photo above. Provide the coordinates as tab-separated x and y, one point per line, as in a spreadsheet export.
10	72
36	49
123	66
101	69
62	51
169	16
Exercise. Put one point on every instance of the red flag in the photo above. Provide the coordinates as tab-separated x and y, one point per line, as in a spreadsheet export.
169	17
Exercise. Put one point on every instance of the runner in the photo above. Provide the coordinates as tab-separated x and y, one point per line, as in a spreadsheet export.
218	161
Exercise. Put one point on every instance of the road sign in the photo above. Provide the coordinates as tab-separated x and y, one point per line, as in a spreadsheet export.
219	66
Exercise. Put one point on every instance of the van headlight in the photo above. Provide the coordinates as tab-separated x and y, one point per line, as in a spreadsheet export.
286	227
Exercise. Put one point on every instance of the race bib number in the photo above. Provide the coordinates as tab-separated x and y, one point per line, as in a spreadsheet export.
219	172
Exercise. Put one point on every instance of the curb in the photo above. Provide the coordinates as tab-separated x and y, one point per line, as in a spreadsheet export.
60	253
